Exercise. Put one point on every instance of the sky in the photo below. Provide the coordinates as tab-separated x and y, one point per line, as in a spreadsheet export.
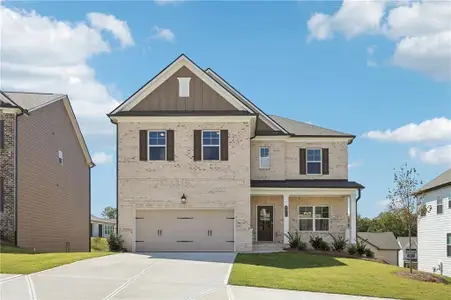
378	69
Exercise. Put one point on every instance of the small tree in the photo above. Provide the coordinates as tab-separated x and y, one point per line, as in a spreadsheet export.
109	212
404	200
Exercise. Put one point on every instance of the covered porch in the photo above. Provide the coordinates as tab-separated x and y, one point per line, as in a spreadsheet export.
311	207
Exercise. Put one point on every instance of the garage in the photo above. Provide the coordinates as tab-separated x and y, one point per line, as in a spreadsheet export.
184	230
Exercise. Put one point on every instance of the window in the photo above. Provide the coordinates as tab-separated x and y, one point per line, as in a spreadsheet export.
184	86
60	157
314	218
313	161
2	194
157	145
264	158
411	253
448	244
449	202
108	229
2	134
439	205
210	144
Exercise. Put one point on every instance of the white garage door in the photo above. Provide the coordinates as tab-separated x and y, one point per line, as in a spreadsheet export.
184	230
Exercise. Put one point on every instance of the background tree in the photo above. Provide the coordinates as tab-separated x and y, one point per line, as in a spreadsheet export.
404	200
109	212
363	224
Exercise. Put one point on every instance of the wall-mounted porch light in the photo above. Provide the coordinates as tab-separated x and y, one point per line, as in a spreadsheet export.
183	198
286	210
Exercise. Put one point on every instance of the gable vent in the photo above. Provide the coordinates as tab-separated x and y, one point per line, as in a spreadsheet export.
184	86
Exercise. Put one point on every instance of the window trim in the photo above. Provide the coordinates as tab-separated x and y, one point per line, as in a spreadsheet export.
320	161
439	198
314	218
202	144
448	238
260	158
157	146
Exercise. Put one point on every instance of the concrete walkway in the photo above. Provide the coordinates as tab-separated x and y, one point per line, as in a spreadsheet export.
127	276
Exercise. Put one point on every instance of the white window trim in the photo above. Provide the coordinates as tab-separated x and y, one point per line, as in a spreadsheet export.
320	161
314	218
439	199
60	156
447	245
260	158
202	144
159	146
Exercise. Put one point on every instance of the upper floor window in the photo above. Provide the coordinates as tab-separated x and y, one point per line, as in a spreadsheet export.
157	145
60	157
184	86
439	205
2	134
449	202
264	158
211	144
313	161
313	218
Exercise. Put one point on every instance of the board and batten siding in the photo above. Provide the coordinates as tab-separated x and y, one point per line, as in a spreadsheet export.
432	230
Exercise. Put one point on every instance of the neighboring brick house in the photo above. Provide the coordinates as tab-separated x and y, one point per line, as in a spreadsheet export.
201	168
44	173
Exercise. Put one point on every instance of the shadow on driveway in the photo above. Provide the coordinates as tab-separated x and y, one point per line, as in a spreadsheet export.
216	257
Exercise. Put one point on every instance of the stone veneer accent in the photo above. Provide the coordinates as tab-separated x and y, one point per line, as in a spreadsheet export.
285	160
160	184
7	171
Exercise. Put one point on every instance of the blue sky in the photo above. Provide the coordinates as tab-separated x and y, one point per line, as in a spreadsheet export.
353	67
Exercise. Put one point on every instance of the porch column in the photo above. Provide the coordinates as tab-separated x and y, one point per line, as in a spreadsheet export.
286	216
353	211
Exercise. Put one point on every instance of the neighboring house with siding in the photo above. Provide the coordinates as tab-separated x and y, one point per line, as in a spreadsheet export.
201	167
102	227
45	173
383	244
434	228
408	252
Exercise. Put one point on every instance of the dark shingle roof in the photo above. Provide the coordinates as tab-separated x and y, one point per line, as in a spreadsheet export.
306	183
439	181
29	101
404	242
380	240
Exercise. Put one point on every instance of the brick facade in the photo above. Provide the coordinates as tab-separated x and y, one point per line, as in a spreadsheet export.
7	171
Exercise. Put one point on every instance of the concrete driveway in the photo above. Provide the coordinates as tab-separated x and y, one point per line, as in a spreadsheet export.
187	276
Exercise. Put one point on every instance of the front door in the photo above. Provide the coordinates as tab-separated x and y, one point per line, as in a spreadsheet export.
265	219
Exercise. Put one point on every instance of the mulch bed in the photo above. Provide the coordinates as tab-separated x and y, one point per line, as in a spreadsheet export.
426	277
336	254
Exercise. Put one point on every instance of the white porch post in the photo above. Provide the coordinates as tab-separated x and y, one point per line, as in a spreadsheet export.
286	216
353	211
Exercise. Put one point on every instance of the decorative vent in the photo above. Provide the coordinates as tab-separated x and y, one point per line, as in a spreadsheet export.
184	86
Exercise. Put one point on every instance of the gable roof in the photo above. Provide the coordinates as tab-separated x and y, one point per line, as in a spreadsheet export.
167	72
102	220
30	101
404	242
380	240
442	180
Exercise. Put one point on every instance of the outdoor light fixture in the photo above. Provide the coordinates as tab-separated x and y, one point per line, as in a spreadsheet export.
183	198
286	210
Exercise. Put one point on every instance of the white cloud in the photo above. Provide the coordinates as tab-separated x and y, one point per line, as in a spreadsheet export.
163	34
110	23
430	130
43	54
101	158
384	202
435	156
421	30
354	164
165	2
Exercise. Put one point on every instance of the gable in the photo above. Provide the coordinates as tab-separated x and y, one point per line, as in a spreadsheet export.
201	96
263	128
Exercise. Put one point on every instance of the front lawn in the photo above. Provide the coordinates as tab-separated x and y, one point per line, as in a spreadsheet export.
14	260
329	274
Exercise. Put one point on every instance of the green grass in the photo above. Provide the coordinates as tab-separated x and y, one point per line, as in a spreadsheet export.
329	274
14	260
99	244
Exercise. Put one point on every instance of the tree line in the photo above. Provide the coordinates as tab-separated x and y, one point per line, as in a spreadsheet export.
391	220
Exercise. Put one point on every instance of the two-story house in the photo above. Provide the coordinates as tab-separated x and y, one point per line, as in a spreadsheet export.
202	168
434	226
44	174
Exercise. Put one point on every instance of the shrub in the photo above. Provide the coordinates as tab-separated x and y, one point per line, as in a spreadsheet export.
115	242
339	243
302	245
96	243
319	244
369	253
361	248
294	239
352	250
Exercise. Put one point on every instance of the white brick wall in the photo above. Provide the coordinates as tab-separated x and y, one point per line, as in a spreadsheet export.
222	184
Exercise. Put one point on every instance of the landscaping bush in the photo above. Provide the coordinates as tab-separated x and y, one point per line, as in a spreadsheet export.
115	242
96	243
302	245
294	239
339	243
361	248
319	244
369	253
352	250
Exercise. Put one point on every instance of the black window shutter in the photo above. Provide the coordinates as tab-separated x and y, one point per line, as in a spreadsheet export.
302	161
170	145
143	145
2	134
2	195
224	145
197	145
325	158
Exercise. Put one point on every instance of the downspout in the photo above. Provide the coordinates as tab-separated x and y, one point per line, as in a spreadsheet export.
89	213
117	179
16	180
359	194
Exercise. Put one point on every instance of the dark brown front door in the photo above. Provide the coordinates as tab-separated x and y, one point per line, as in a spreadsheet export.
265	219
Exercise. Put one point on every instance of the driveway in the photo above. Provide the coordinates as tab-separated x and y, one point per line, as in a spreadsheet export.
187	276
